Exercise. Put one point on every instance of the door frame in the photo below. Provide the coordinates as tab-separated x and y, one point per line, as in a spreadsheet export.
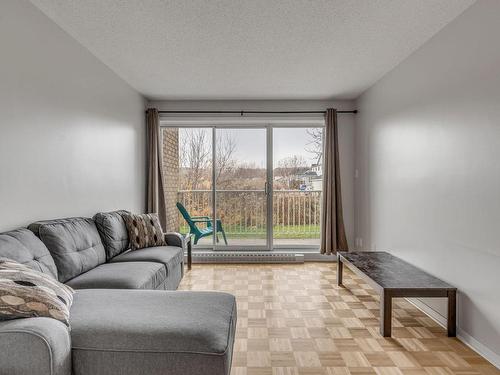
231	122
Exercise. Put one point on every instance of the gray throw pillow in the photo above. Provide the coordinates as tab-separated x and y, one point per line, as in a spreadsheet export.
26	293
144	231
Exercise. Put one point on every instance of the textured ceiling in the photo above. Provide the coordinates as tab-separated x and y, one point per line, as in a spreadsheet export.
253	49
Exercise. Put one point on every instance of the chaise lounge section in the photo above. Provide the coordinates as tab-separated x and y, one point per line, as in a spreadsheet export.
122	320
152	332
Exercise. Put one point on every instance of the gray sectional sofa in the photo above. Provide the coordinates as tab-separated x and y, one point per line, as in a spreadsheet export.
126	316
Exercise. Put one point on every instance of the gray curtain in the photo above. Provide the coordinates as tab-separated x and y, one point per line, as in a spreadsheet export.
155	192
333	236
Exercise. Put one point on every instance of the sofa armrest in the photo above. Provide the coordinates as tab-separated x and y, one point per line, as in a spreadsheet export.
175	239
34	346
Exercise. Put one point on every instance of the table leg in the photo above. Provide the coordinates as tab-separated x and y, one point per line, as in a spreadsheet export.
340	270
385	313
452	313
189	249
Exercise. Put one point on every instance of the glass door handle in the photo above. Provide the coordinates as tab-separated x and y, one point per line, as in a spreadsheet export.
266	188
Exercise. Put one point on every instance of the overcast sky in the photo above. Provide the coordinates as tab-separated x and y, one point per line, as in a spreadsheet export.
251	144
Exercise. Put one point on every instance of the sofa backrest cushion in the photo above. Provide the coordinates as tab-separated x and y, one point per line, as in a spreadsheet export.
22	246
74	244
113	232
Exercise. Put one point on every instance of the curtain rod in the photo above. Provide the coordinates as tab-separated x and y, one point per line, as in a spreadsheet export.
241	113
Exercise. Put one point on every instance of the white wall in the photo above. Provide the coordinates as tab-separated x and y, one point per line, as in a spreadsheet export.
346	134
71	132
428	152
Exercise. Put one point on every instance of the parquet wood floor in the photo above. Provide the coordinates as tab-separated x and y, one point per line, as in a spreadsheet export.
294	320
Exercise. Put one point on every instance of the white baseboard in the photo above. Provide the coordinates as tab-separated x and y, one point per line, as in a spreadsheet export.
463	336
475	345
317	257
426	309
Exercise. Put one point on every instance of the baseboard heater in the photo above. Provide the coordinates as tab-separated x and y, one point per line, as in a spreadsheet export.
246	257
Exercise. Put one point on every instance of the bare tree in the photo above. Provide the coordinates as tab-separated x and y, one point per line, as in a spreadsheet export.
224	161
195	157
290	168
315	143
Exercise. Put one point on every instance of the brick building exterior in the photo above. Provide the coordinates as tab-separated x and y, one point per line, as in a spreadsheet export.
170	139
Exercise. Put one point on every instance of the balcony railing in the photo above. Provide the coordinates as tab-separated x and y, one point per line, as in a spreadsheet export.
296	213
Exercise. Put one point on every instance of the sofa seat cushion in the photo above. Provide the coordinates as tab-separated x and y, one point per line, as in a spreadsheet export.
126	275
74	244
170	256
22	246
152	332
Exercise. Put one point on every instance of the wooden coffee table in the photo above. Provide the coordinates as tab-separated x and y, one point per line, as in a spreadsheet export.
392	277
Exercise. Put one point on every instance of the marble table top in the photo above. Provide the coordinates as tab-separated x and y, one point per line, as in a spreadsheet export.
389	271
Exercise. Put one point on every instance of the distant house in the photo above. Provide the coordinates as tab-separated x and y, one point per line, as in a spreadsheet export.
312	178
318	168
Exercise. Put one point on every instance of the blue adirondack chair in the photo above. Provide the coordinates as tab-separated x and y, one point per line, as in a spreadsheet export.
201	232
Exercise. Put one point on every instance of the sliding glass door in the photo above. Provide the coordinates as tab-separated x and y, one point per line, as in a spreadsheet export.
241	193
297	185
244	187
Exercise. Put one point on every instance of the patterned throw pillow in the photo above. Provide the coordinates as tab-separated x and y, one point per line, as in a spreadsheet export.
144	231
26	293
